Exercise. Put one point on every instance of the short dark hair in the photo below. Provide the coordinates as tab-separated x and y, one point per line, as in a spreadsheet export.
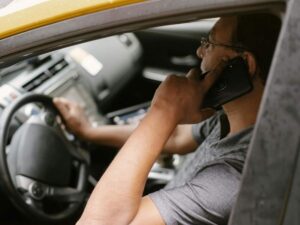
258	33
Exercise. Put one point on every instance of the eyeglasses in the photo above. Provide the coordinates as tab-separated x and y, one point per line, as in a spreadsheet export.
205	42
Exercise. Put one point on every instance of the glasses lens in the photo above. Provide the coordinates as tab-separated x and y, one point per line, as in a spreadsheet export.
204	42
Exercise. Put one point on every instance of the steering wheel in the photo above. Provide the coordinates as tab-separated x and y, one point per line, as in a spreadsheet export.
42	172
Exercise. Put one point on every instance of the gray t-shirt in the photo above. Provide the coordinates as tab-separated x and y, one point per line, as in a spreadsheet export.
205	188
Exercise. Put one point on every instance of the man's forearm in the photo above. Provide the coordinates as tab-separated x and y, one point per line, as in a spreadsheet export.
118	194
110	135
180	142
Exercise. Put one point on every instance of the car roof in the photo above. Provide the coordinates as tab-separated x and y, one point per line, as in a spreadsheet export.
20	16
68	31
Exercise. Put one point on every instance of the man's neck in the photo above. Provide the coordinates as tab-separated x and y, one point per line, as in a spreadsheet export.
242	112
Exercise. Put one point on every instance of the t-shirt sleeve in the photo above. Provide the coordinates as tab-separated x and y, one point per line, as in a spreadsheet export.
206	199
201	130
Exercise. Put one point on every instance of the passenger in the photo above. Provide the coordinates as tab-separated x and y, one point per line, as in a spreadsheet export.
205	189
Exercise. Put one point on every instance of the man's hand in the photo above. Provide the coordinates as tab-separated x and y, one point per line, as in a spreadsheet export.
182	97
74	117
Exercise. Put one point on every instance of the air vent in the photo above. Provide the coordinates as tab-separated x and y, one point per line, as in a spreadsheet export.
42	77
58	66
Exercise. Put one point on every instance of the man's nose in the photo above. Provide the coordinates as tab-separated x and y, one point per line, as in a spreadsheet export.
200	52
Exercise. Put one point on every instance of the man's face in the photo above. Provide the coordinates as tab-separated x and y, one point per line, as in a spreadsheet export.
212	54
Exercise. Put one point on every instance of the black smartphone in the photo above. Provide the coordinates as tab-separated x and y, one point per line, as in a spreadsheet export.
234	81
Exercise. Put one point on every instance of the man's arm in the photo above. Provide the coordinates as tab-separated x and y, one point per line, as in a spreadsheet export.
180	142
117	197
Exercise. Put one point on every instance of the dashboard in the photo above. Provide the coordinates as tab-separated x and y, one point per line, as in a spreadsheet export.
81	73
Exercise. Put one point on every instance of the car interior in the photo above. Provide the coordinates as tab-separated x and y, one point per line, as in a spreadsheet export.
114	79
47	173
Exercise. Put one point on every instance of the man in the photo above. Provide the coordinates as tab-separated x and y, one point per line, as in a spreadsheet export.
205	191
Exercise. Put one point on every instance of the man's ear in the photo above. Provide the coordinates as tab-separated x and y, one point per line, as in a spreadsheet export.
251	61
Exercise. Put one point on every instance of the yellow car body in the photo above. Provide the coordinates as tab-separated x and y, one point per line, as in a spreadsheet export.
20	16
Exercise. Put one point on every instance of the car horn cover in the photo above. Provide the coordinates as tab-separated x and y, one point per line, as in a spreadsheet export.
40	153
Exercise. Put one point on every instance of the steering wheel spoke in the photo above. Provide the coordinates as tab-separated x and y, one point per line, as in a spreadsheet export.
30	187
39	191
35	193
33	203
68	194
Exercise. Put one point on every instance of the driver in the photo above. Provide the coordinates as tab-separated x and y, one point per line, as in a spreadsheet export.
205	189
